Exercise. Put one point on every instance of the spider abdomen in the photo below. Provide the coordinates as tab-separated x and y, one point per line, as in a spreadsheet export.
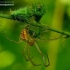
25	36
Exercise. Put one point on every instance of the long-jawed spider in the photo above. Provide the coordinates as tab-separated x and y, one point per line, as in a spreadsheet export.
30	39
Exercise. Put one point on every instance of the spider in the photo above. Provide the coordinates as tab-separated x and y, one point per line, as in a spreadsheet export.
25	36
29	35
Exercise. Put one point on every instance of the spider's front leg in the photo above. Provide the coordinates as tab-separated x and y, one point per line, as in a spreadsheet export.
12	40
42	55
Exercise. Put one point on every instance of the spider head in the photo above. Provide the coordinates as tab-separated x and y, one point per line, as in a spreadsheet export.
39	11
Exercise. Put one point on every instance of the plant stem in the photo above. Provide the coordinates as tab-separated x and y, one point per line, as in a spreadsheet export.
61	32
51	29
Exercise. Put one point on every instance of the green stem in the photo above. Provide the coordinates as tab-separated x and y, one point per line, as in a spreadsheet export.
51	29
41	25
5	16
61	32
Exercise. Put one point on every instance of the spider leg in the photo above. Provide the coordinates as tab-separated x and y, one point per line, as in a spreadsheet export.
30	58
12	40
49	39
24	53
46	65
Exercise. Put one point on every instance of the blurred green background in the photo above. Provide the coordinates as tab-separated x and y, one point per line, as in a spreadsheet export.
58	17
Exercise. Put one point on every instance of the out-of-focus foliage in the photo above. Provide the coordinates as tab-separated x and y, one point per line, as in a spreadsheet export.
11	57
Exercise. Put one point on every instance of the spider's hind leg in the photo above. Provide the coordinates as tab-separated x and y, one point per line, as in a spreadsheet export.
24	53
46	65
30	58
